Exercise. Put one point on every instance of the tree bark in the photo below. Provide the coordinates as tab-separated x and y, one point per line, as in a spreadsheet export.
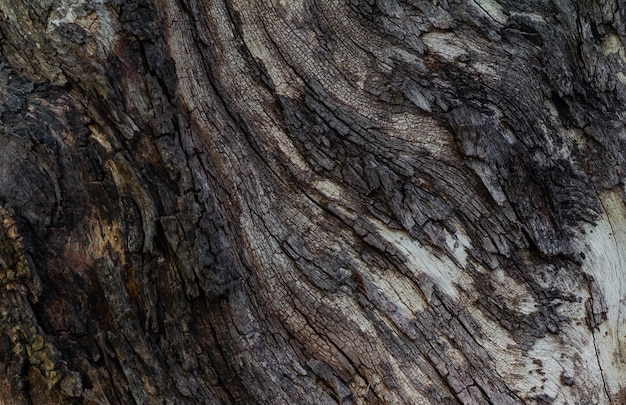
312	202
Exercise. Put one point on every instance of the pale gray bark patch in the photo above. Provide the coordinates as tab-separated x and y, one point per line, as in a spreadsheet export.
312	202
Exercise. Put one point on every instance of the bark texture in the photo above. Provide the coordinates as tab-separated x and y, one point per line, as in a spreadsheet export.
312	202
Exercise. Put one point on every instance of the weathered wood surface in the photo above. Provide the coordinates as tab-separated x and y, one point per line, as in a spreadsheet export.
312	202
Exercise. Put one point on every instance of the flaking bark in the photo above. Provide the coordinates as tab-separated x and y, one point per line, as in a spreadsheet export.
312	202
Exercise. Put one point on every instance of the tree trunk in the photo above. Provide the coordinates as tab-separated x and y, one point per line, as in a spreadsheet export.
312	202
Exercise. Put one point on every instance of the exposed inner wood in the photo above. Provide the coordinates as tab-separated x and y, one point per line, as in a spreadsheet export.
312	202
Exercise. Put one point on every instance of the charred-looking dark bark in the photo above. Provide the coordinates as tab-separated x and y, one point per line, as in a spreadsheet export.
312	202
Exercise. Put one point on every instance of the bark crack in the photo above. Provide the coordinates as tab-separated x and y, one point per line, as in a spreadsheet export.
602	372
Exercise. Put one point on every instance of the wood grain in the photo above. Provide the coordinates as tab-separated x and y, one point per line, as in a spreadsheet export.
312	202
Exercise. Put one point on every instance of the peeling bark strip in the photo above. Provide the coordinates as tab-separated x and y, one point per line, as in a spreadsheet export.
312	202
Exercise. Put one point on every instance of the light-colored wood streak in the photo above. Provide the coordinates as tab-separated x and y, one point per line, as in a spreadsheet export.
312	202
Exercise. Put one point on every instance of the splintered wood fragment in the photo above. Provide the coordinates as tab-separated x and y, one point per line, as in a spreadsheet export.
297	202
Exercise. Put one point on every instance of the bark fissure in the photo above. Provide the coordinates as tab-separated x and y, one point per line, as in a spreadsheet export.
312	202
604	383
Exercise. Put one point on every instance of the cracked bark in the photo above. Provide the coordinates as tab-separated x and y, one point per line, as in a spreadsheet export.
312	202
